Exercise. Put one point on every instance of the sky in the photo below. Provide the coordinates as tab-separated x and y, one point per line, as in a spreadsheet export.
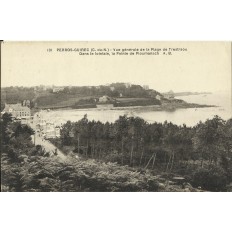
205	66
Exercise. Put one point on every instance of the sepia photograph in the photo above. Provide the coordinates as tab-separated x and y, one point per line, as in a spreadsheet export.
116	117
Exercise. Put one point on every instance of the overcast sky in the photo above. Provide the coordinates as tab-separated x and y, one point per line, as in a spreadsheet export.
206	66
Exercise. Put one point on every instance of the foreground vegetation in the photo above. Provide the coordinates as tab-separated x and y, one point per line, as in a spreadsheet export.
202	154
128	155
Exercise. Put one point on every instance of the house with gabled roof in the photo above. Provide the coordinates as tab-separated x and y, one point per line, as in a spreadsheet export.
17	110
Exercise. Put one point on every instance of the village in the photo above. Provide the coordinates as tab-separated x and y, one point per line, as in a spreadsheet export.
22	113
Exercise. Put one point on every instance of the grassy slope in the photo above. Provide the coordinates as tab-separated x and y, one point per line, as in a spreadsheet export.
52	100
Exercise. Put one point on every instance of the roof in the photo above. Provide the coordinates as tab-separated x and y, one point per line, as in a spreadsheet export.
107	98
16	107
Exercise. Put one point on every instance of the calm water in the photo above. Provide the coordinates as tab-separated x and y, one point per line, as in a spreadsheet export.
188	116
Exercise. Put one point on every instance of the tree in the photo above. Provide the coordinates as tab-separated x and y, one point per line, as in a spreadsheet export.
208	139
121	129
66	133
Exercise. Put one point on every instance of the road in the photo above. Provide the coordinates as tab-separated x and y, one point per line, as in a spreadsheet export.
48	146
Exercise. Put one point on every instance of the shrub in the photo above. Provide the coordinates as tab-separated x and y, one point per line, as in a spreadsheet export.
211	179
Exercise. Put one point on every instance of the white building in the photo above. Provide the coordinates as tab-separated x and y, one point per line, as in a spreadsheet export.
104	99
17	111
52	131
158	97
169	95
146	87
128	85
57	89
57	131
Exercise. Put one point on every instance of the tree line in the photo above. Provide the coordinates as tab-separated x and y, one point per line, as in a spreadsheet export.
134	141
158	146
112	90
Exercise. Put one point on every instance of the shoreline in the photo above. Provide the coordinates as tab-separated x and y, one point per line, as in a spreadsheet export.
163	107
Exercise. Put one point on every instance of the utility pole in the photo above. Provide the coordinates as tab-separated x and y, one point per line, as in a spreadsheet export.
34	137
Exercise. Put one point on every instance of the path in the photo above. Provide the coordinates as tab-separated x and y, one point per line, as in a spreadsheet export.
48	146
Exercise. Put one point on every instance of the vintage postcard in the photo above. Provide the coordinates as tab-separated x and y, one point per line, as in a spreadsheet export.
116	117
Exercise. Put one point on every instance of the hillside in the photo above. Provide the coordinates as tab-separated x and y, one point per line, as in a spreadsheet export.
53	97
121	94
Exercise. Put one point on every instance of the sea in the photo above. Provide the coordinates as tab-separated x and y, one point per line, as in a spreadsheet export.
189	117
